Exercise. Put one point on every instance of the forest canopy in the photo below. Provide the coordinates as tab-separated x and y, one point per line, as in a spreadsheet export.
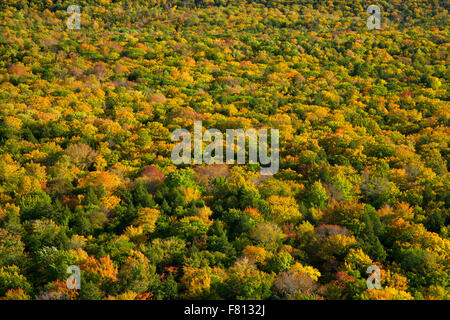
86	176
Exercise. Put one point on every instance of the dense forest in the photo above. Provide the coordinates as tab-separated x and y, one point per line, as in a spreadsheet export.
86	176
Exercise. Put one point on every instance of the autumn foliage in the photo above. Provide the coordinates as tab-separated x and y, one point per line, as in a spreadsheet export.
87	180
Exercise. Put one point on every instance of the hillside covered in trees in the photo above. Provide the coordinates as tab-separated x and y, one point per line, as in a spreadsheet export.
86	176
